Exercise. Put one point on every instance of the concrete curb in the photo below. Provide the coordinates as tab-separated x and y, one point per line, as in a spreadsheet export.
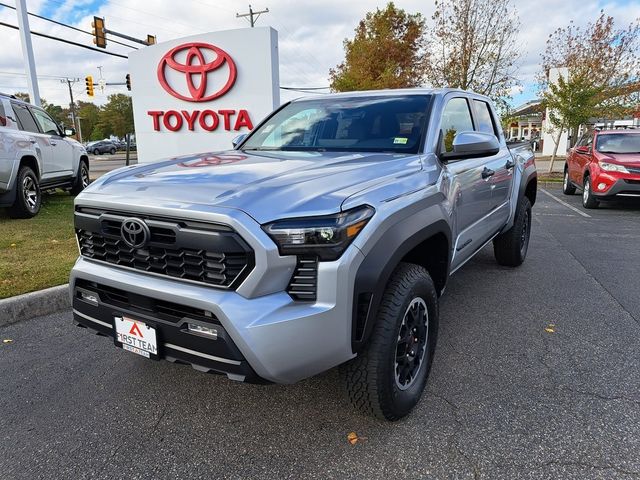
34	304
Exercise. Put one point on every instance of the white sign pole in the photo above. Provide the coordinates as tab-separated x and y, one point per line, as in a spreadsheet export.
27	51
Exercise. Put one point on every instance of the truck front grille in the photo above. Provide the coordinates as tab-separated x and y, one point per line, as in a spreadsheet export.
303	284
213	255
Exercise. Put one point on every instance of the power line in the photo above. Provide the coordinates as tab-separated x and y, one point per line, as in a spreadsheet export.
65	25
50	37
305	88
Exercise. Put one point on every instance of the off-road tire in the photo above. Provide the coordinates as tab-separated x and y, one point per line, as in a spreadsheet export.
588	199
371	377
568	188
82	178
510	248
26	204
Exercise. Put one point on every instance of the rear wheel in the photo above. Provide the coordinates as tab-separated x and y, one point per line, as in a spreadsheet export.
588	199
567	187
387	379
112	151
510	248
82	179
28	195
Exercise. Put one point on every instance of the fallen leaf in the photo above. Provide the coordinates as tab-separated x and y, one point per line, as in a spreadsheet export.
7	340
13	245
54	241
353	438
550	329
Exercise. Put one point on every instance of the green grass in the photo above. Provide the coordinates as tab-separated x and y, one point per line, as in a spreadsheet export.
39	252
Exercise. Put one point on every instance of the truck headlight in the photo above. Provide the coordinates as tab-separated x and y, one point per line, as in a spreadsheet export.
613	167
327	236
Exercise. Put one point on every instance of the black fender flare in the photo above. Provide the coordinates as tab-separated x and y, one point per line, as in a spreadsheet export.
380	262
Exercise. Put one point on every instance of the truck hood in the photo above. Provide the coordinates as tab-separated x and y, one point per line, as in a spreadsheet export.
265	185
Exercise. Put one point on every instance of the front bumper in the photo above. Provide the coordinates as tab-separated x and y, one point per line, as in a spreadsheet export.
617	187
269	337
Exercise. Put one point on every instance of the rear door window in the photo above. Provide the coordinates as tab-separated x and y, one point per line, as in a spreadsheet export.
25	119
484	117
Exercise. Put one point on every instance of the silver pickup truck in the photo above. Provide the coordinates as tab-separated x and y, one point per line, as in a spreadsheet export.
324	238
36	155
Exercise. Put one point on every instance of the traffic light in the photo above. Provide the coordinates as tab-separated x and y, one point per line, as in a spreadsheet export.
128	81
151	39
99	34
88	80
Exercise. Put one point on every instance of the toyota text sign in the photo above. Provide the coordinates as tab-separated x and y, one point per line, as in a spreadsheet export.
196	94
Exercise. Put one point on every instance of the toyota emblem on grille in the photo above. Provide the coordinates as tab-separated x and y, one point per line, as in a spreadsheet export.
134	232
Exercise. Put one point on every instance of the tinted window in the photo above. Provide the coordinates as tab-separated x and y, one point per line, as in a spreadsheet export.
3	118
25	120
47	125
483	115
359	124
456	118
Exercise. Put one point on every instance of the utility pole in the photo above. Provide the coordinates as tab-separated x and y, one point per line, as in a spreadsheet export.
252	14
70	82
27	51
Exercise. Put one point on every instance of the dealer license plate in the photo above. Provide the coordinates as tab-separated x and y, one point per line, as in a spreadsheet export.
136	336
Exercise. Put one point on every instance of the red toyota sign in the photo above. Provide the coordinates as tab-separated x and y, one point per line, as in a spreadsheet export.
197	70
196	66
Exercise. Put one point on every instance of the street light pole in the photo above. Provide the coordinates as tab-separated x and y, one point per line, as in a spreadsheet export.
27	51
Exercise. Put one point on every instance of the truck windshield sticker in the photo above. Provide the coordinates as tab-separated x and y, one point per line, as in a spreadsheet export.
400	140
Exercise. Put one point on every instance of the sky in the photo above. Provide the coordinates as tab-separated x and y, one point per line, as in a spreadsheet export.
310	36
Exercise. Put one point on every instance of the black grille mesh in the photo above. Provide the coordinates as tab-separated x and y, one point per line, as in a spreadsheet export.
165	257
303	284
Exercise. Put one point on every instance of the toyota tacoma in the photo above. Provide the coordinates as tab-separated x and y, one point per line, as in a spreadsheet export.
325	237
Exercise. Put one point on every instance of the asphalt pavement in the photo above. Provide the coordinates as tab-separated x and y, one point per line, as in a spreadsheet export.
536	376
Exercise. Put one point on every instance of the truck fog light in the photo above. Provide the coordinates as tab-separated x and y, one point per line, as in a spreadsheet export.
602	186
89	297
210	332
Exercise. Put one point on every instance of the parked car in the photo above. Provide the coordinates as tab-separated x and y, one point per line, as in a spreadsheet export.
605	165
102	146
324	238
36	155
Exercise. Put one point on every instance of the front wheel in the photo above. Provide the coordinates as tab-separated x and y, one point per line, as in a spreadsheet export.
96	152
588	199
387	378
28	195
567	187
510	248
82	179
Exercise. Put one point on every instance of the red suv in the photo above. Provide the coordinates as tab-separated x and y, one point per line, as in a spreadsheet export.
604	164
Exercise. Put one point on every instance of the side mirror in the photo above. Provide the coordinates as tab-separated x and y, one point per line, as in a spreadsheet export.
472	145
69	132
582	149
238	140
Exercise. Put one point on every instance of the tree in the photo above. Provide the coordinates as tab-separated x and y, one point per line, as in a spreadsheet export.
116	116
59	114
603	65
386	52
473	46
88	114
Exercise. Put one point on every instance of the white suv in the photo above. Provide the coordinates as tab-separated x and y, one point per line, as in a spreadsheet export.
35	155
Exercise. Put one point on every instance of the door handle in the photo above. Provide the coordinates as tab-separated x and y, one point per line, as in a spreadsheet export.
33	141
487	172
53	143
510	164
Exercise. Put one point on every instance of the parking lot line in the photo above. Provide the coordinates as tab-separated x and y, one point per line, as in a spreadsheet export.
562	202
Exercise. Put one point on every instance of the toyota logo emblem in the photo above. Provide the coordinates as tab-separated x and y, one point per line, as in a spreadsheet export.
134	232
199	63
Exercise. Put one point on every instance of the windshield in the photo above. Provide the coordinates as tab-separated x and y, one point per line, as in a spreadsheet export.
618	143
362	124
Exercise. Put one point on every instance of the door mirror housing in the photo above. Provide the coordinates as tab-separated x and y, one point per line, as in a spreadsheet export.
69	132
583	149
472	145
238	140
